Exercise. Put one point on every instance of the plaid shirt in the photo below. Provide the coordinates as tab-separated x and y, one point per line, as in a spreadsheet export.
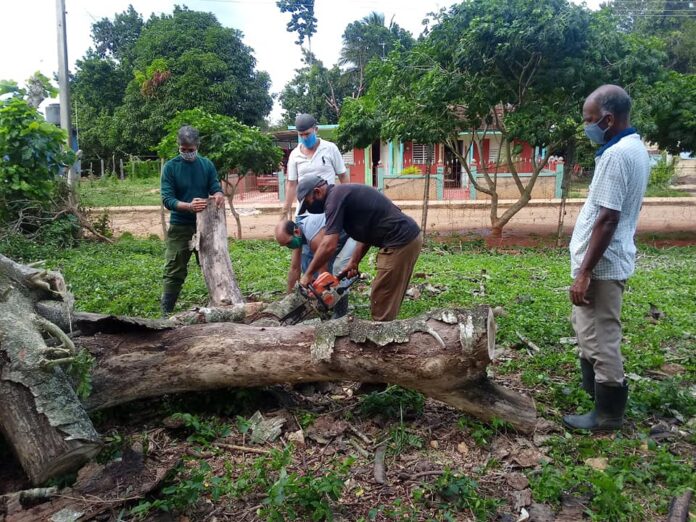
619	182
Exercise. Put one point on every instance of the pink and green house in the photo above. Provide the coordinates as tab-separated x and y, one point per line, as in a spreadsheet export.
397	168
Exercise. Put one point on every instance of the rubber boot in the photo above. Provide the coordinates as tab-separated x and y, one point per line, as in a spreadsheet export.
167	303
610	405
588	383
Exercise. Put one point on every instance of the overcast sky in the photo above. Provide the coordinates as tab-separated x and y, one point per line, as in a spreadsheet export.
28	37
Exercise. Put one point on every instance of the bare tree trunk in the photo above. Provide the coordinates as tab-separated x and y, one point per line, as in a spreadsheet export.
211	242
426	199
230	193
565	185
41	417
426	193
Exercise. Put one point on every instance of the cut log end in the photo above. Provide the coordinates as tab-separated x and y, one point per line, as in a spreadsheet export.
71	460
491	327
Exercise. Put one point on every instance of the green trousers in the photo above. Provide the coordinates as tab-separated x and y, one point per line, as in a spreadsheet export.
177	256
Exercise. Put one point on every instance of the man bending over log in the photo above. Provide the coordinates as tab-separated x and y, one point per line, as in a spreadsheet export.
187	182
371	219
303	238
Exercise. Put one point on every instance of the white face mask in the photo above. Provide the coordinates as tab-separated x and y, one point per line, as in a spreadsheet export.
188	156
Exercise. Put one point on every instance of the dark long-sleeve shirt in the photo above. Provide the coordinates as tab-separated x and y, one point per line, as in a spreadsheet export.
184	181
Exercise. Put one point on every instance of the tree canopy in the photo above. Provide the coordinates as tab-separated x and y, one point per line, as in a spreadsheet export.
228	143
322	90
520	69
141	74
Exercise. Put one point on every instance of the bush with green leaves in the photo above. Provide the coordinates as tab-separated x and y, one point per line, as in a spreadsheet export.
225	141
32	156
662	173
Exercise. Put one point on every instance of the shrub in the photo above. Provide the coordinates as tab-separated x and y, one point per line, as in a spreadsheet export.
661	173
31	158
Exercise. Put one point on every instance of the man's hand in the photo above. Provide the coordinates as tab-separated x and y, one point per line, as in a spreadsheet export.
350	271
199	204
579	289
219	200
305	280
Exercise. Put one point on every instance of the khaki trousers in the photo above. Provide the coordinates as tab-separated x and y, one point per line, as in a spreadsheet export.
598	328
394	269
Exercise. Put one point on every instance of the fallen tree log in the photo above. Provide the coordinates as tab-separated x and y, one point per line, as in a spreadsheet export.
443	354
40	414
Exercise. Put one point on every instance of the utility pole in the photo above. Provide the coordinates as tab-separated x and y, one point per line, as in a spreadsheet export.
64	89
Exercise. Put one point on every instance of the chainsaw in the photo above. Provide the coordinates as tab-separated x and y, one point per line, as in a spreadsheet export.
320	297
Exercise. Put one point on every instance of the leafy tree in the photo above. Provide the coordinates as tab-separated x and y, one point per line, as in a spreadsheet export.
115	39
32	156
97	91
302	20
670	107
232	147
369	38
672	21
519	68
316	90
183	61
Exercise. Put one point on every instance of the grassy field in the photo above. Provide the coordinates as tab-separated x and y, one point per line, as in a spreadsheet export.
627	476
113	192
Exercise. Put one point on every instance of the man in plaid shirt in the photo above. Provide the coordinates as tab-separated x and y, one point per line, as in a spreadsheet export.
602	254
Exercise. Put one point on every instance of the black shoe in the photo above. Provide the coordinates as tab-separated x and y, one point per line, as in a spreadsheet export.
587	376
167	302
610	405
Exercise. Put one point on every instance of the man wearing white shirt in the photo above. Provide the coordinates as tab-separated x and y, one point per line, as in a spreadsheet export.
602	254
312	156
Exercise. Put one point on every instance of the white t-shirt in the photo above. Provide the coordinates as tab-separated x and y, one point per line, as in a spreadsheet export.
327	163
619	182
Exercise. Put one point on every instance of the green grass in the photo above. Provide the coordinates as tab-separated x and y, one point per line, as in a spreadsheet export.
531	286
664	191
113	192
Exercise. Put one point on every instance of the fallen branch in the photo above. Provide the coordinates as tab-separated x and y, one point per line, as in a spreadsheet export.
379	471
528	343
679	507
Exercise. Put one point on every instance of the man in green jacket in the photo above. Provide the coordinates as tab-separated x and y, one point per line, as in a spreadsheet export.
187	182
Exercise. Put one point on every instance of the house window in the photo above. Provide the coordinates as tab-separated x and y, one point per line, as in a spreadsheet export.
420	153
493	151
348	158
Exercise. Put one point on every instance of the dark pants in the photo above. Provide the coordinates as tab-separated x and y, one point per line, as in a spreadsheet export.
177	256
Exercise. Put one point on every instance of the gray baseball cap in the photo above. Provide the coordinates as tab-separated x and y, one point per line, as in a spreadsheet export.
305	186
304	122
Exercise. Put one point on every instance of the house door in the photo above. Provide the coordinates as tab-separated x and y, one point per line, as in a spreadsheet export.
376	156
453	168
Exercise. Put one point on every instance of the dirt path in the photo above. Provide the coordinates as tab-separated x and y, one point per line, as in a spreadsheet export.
658	215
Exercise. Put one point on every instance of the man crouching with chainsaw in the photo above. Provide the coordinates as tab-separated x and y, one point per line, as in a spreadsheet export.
371	219
303	239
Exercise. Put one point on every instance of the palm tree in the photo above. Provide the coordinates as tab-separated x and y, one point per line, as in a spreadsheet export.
370	38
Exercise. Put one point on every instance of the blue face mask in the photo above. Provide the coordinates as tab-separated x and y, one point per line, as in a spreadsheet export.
595	133
310	141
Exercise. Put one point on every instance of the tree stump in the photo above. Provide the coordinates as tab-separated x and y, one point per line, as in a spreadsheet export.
210	241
